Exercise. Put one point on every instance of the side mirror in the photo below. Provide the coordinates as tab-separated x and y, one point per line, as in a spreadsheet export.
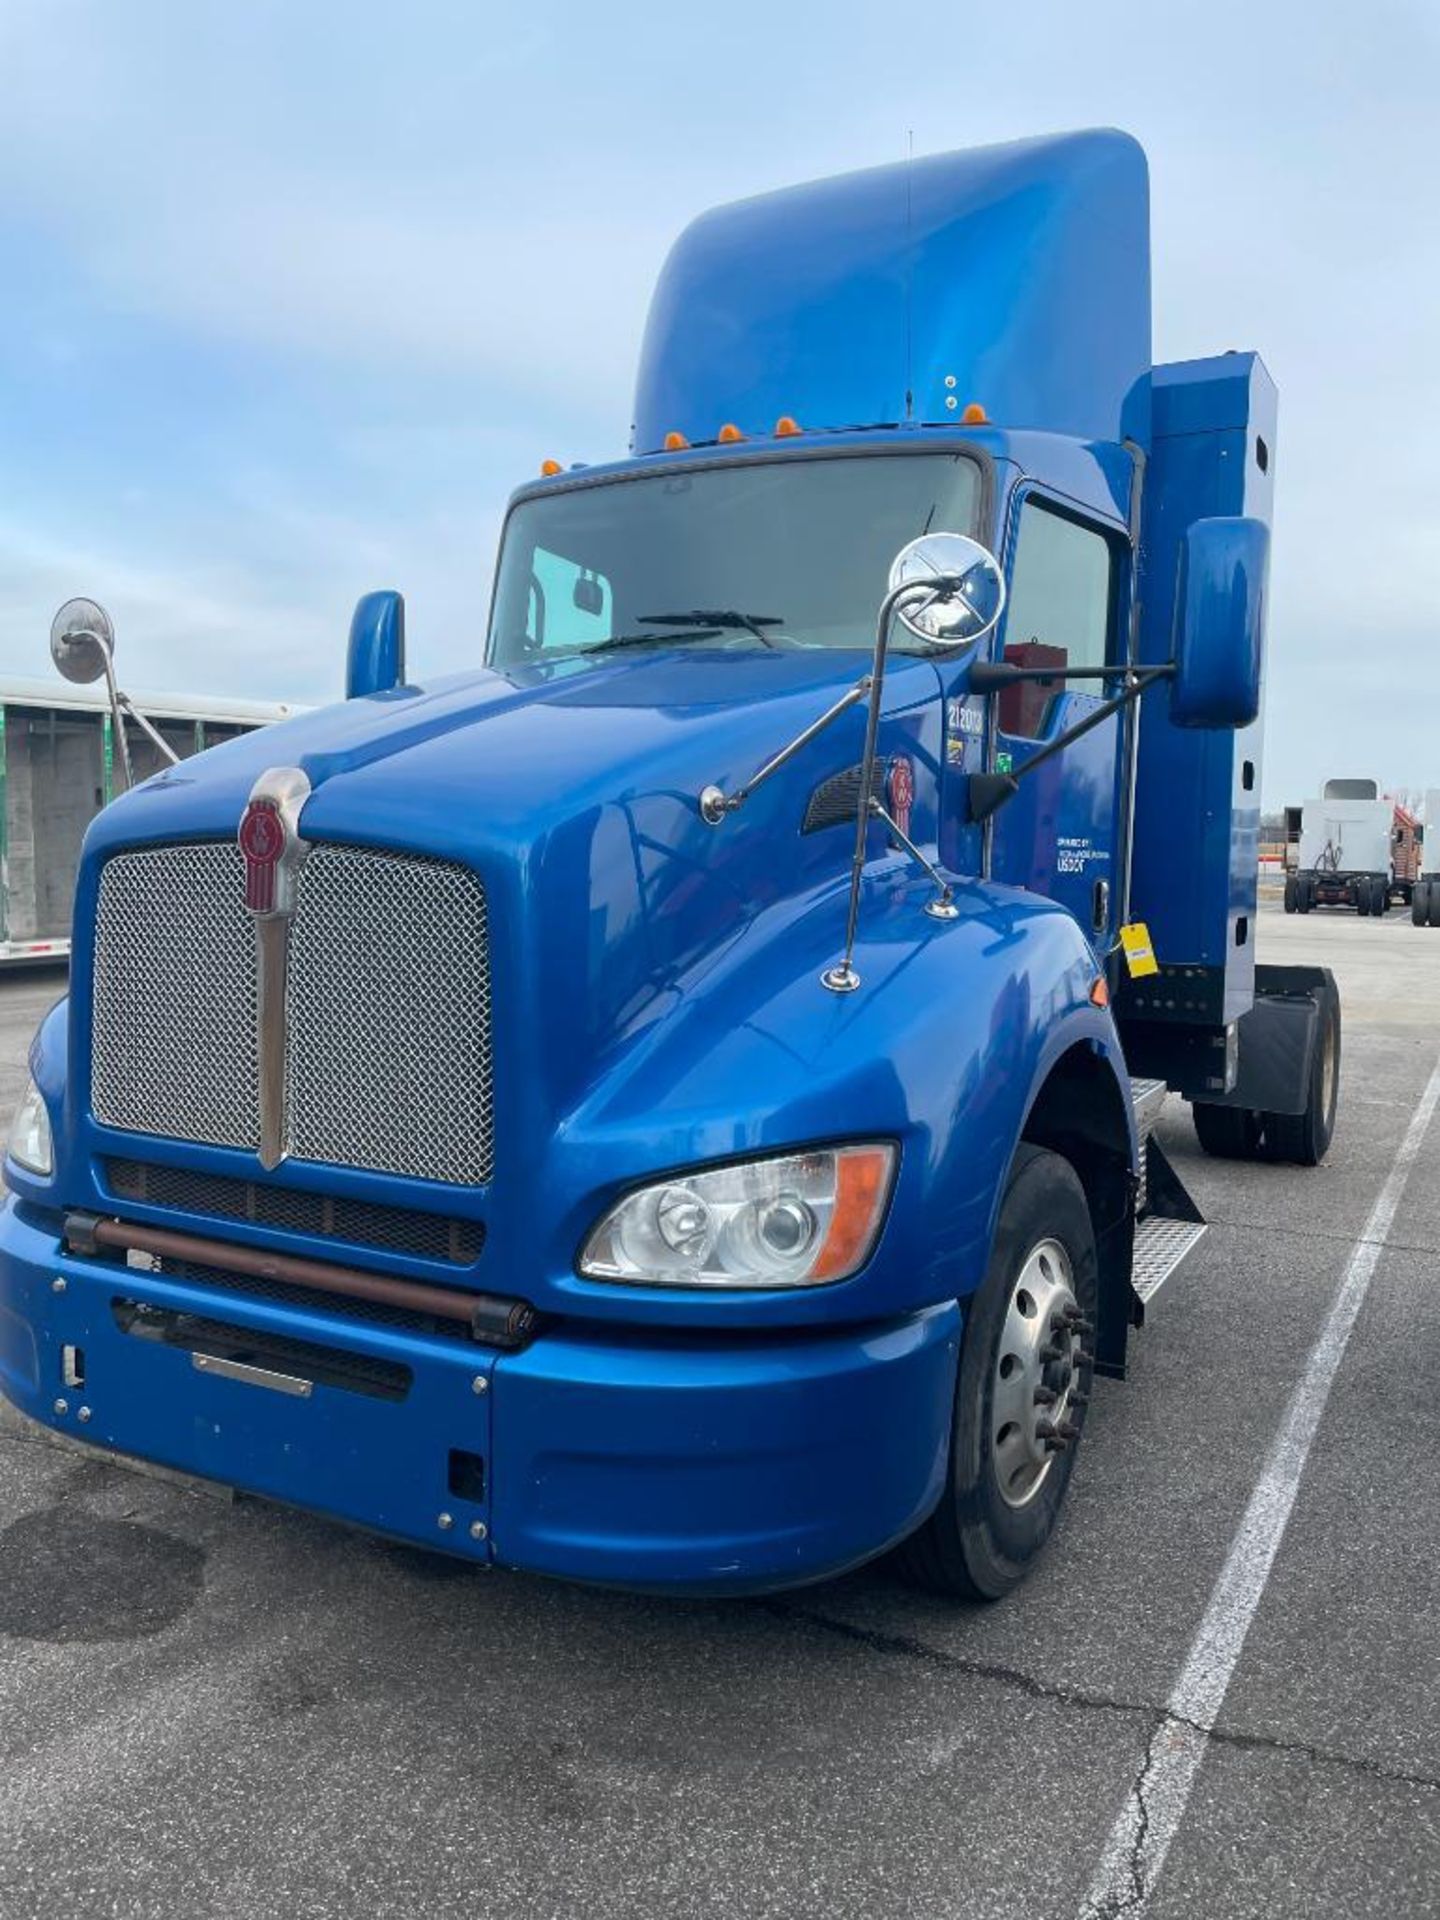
970	588
82	641
375	658
1220	623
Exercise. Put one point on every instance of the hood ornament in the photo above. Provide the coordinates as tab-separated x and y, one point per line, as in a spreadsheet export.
269	839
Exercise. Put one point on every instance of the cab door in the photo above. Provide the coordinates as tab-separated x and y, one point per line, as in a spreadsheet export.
1062	834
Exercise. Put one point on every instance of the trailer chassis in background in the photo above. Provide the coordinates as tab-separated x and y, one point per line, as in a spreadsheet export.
58	768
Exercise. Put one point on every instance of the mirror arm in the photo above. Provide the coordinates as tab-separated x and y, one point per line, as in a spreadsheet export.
942	907
715	804
993	676
145	727
990	791
117	714
842	977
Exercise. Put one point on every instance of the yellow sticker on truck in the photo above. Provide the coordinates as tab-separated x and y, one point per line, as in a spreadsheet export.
1139	954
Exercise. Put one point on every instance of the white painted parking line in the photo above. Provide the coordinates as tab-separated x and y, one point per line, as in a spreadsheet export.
1155	1805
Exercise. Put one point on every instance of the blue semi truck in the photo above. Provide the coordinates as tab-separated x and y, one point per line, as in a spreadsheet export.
672	1106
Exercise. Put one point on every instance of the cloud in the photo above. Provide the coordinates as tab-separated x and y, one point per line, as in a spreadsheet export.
295	294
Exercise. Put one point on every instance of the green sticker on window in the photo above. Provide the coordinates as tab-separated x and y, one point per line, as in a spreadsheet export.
1004	763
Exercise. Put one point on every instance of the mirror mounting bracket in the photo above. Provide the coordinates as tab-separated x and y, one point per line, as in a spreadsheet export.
987	792
715	804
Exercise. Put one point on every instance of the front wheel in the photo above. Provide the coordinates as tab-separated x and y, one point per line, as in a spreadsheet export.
1022	1389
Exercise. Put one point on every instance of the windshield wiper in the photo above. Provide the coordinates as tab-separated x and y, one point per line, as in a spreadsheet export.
699	624
720	618
641	640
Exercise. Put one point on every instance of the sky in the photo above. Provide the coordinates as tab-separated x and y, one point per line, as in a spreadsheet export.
293	295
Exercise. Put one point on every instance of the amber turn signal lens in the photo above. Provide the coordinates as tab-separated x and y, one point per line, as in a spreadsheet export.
974	415
673	442
729	432
549	468
786	425
862	1186
1099	992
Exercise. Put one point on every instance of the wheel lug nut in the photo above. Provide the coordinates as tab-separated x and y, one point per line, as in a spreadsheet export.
1044	1397
1068	1430
1049	1354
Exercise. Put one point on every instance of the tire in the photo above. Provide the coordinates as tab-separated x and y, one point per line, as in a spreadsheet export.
1432	897
1362	895
1379	896
1002	1494
1291	890
1227	1133
1304	892
1303	1139
1420	903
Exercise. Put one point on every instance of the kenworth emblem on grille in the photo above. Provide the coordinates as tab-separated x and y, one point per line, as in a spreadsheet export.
900	791
270	840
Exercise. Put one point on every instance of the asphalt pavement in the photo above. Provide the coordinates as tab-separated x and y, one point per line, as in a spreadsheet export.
213	1706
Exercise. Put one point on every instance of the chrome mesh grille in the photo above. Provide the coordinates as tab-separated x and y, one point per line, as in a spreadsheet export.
388	1026
387	1008
174	997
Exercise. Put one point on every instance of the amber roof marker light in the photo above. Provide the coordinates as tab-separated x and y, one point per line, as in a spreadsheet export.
974	415
786	425
729	433
549	469
674	442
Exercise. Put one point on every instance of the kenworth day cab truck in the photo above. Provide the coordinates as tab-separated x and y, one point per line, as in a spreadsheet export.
672	1106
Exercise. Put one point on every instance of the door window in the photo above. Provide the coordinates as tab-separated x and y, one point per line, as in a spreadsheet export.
1061	596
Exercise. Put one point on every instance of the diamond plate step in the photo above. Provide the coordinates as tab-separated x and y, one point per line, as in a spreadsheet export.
1147	1097
1160	1246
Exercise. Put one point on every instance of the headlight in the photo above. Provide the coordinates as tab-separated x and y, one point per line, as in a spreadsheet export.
29	1144
792	1222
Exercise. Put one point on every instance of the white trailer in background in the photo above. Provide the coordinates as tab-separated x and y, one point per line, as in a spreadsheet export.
1345	843
57	770
1425	900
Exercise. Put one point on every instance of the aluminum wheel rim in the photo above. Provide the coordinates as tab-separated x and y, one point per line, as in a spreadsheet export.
1327	1070
1036	1372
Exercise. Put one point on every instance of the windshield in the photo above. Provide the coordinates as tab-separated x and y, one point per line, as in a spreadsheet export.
779	553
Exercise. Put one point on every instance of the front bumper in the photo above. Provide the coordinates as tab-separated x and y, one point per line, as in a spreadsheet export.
702	1464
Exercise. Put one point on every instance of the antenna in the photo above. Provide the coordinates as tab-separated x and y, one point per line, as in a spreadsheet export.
909	269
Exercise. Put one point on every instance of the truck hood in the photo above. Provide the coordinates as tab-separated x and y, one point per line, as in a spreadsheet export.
572	791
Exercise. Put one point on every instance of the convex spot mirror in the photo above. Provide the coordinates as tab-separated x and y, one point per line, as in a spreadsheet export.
1220	622
962	612
82	640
